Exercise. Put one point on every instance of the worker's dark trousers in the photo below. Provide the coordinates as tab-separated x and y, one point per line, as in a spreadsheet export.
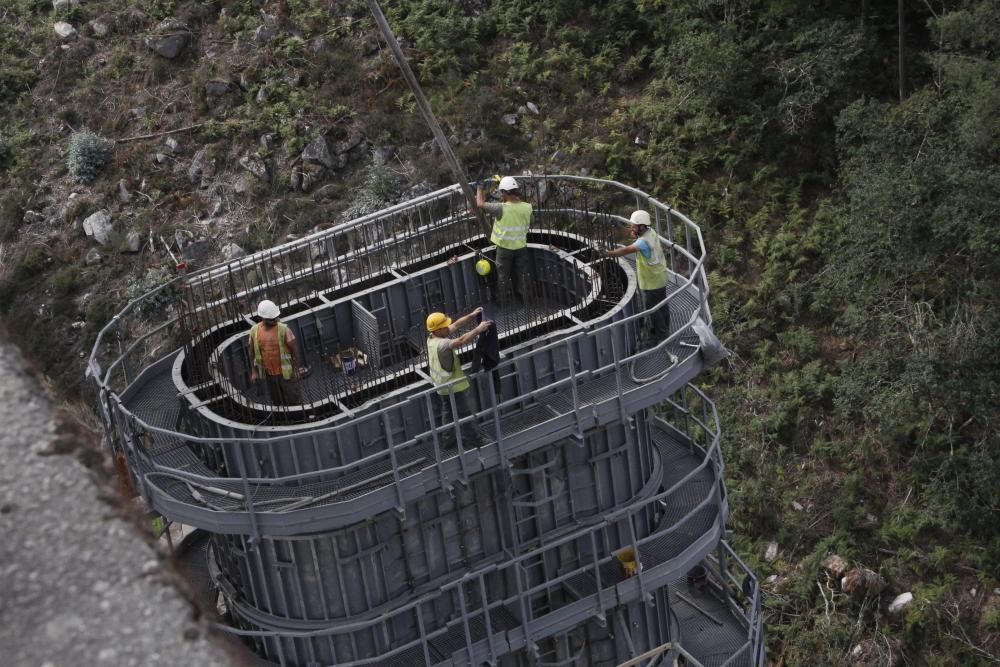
513	273
659	321
279	391
471	436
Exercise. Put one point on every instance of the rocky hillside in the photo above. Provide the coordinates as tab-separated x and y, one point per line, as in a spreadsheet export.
851	214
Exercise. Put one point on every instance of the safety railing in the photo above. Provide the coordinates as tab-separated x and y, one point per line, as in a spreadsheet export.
750	612
353	253
627	524
490	420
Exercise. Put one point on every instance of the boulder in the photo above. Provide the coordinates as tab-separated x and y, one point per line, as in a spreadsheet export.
99	28
353	140
861	581
533	108
64	30
169	38
32	216
311	174
124	196
772	552
98	226
263	34
182	238
172	145
197	251
133	242
231	251
835	565
509	119
318	150
383	154
900	602
217	88
93	257
201	170
255	166
328	191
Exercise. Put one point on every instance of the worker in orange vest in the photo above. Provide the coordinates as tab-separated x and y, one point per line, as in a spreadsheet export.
274	356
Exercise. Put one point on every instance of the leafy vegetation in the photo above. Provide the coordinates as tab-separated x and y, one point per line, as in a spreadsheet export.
86	156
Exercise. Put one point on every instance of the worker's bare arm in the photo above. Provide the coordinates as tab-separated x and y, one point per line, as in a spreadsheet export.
621	252
465	319
253	366
470	336
293	350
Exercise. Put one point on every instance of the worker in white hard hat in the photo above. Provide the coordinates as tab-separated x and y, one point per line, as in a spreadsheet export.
274	356
651	267
510	236
447	373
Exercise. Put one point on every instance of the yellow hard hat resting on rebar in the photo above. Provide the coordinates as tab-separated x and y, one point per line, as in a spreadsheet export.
437	321
483	267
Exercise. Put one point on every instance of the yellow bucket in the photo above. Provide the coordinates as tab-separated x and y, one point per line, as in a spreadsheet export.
628	560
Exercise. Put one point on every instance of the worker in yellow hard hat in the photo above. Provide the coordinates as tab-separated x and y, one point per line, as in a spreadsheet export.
651	270
446	370
510	236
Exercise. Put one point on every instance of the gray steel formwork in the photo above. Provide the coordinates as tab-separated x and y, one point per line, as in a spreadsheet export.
353	528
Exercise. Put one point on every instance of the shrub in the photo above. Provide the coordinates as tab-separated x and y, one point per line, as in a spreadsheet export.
87	155
4	149
154	304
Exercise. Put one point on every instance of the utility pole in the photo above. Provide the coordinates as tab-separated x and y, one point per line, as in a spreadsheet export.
425	110
902	67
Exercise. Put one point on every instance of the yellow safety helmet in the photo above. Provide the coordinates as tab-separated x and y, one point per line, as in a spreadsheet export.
437	321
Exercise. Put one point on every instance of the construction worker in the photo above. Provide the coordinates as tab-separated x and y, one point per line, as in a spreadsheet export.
442	358
274	356
651	266
510	236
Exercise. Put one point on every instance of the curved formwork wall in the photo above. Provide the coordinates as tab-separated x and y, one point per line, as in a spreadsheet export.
368	569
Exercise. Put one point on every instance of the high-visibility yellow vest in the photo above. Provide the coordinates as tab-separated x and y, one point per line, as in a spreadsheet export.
652	271
510	230
286	357
440	376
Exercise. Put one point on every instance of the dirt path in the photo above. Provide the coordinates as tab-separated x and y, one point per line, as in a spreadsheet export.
78	584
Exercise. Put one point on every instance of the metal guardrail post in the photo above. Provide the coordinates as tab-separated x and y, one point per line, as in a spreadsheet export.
486	618
618	381
400	501
424	642
495	412
643	595
525	607
460	592
435	440
123	353
602	617
575	389
254	528
457	427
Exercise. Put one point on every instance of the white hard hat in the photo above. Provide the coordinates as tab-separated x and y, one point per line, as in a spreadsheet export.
268	310
508	183
639	218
